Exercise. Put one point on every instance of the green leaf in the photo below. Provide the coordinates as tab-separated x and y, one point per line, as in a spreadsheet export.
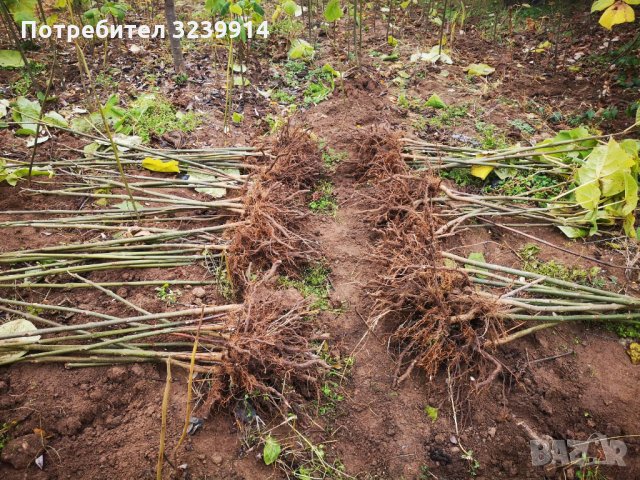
22	10
11	59
235	8
329	69
333	12
55	119
391	40
290	7
157	165
479	69
26	112
301	49
432	412
215	6
606	165
573	232
128	206
476	257
600	5
237	117
11	348
435	102
588	196
271	450
11	176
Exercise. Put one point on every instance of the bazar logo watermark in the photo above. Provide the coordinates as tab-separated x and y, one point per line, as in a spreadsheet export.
102	30
576	452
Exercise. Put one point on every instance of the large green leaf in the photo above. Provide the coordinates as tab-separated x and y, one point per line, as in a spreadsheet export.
290	7
606	165
301	49
11	59
479	70
26	112
22	10
333	12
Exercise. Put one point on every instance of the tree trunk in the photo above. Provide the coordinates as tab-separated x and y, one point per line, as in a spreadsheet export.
176	49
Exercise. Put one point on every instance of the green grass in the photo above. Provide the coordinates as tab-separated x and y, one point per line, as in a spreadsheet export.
313	283
281	96
449	116
323	200
152	115
584	276
520	184
490	137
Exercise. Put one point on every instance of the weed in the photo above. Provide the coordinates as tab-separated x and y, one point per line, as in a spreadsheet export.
490	138
588	472
583	118
414	104
166	294
420	124
281	96
153	115
219	269
461	177
317	92
624	330
425	473
610	113
286	27
331	157
449	116
314	282
523	126
520	184
331	398
531	263
106	81
275	123
181	79
21	86
323	199
3	435
294	72
474	465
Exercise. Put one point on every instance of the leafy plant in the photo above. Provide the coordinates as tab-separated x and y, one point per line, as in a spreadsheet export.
607	184
554	269
11	175
323	200
165	294
151	114
331	157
